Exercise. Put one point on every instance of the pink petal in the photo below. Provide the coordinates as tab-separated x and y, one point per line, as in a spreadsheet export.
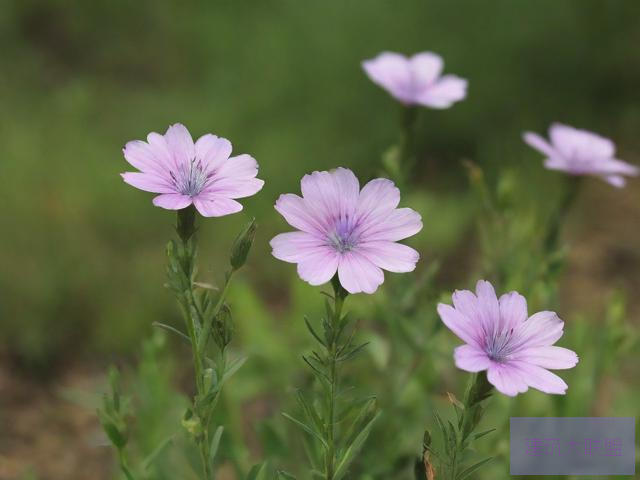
216	206
536	141
332	193
513	310
378	197
575	143
146	158
542	329
397	225
234	187
357	274
172	201
548	357
466	303
298	214
471	358
180	143
460	325
391	71
213	151
426	67
540	379
390	256
506	379
295	246
319	267
444	93
615	180
161	149
148	182
488	306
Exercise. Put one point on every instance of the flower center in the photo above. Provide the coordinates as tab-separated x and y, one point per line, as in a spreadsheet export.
499	346
343	237
191	178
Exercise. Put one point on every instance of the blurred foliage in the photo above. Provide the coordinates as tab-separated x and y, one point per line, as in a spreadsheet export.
83	257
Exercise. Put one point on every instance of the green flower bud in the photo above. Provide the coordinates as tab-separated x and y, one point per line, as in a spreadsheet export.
242	245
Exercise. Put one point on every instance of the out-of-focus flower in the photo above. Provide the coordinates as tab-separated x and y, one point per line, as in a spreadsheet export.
515	349
416	80
580	152
184	173
345	229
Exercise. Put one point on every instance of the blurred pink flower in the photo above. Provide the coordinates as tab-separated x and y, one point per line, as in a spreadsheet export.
580	152
184	173
515	349
416	80
345	229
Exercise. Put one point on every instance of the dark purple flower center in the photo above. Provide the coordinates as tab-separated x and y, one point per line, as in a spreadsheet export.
343	237
499	345
191	178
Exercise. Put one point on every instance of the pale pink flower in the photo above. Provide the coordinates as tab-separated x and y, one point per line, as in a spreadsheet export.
184	173
515	349
416	80
580	152
346	230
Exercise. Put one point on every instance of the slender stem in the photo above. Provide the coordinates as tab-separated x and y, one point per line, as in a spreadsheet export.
569	196
339	296
477	390
186	228
407	140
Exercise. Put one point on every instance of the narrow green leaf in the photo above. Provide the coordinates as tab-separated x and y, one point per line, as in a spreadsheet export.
258	472
233	367
215	443
282	475
482	434
353	449
313	332
307	429
468	471
310	411
171	329
148	461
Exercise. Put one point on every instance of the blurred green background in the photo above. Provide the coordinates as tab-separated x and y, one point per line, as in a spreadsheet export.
82	253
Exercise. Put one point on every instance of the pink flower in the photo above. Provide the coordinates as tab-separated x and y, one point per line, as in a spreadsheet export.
515	349
580	152
184	173
416	80
345	229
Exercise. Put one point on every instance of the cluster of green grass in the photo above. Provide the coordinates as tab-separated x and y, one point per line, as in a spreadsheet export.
83	253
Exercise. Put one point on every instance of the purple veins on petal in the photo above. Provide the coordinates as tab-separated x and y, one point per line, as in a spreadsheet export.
346	230
185	173
515	349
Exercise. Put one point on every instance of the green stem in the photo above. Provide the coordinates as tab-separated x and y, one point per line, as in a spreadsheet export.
478	390
186	228
122	461
407	140
339	296
557	220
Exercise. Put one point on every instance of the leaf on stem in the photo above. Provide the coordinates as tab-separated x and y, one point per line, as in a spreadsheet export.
307	429
171	329
352	450
215	443
468	471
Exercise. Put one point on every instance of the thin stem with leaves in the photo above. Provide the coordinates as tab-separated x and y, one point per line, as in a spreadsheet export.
457	438
336	423
207	317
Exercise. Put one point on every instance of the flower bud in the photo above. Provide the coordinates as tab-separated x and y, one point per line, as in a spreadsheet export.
223	327
242	245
